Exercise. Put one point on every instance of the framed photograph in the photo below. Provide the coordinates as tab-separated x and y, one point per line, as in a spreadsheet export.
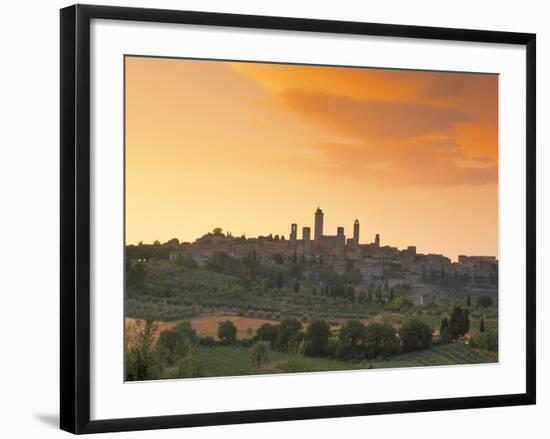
268	218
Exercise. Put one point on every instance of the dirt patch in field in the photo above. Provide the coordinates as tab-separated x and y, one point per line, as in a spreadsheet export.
208	325
246	326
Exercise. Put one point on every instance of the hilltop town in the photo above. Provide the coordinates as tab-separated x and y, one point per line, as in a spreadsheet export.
231	295
374	261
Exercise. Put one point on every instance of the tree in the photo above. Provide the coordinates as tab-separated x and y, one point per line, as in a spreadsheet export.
380	339
223	263
295	269
444	331
351	340
175	343
287	329
260	352
482	325
459	323
400	303
227	332
415	335
207	341
140	361
280	280
487	340
353	277
484	301
468	301
317	336
278	259
187	262
296	344
135	273
217	231
269	333
296	287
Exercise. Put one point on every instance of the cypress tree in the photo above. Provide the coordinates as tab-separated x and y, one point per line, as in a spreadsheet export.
280	280
444	330
482	325
459	323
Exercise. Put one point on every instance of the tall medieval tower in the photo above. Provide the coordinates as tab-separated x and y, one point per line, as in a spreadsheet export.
340	237
318	224
293	232
306	237
356	232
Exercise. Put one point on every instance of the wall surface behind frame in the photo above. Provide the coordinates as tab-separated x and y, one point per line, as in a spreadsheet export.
29	180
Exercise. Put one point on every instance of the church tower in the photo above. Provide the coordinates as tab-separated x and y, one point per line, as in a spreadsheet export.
356	232
318	224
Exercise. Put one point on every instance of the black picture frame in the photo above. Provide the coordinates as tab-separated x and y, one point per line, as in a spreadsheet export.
75	217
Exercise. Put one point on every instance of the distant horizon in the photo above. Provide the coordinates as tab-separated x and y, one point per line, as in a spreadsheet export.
256	146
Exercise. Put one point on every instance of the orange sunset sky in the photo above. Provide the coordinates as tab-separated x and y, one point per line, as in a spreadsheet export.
252	148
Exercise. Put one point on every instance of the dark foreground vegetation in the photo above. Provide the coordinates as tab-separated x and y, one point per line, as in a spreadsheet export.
290	347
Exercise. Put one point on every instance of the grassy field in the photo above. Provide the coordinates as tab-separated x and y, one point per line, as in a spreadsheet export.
236	361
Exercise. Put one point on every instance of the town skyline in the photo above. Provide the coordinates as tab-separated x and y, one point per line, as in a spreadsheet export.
251	147
316	232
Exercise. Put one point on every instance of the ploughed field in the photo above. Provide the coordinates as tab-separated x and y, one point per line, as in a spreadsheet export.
235	361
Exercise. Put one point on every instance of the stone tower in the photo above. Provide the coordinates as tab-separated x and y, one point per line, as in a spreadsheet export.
377	240
318	224
293	232
306	237
340	237
356	232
